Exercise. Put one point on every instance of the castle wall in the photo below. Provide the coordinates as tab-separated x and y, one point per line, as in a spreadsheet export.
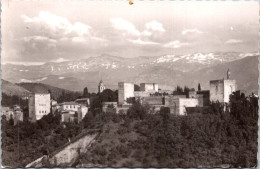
177	105
229	87
141	94
149	87
67	154
206	97
221	89
187	102
153	100
173	103
217	90
125	91
201	101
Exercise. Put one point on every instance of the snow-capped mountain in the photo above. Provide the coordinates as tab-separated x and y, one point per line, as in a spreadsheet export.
74	75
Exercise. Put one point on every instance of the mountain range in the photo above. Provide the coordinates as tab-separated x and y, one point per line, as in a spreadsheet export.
167	70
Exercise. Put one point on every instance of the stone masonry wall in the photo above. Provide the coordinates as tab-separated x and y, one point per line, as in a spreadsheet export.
67	154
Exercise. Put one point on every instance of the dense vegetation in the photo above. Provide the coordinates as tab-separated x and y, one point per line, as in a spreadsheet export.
10	101
211	139
141	139
25	142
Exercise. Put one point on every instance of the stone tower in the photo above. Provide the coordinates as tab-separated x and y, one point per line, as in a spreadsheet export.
101	87
39	105
220	90
125	91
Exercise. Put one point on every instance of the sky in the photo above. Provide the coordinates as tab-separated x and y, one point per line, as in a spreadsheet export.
44	31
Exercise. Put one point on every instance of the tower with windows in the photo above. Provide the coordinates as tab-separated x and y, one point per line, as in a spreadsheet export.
101	87
39	105
220	90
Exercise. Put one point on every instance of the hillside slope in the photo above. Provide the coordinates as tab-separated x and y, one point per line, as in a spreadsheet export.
244	71
11	89
43	88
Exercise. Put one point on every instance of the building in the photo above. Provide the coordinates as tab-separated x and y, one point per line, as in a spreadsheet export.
204	97
125	92
220	90
39	106
178	105
149	87
83	101
8	113
82	111
101	87
74	116
69	106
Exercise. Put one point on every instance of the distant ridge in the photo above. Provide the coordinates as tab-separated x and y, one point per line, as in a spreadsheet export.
11	89
43	88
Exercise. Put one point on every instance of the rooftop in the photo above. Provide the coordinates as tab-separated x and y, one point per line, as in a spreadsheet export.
69	103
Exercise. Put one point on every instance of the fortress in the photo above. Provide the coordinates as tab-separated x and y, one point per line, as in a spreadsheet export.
220	90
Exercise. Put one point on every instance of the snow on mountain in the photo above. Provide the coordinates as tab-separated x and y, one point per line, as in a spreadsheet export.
33	81
114	65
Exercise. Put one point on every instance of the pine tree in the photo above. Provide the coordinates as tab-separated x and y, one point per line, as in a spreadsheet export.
199	88
85	92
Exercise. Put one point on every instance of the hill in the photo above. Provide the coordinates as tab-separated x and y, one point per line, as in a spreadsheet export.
43	88
11	89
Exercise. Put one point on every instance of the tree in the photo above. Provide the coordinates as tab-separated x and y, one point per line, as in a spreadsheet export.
11	121
85	92
186	89
108	96
179	89
199	87
49	91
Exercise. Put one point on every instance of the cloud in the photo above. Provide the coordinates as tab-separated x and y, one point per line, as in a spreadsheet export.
57	24
233	41
187	31
141	42
124	25
155	26
175	44
38	39
146	33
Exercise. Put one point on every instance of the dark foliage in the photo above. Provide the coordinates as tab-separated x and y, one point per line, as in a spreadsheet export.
9	101
214	138
85	92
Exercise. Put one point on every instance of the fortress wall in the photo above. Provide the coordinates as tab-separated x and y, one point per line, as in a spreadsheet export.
187	102
217	90
125	91
153	100
67	154
229	87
